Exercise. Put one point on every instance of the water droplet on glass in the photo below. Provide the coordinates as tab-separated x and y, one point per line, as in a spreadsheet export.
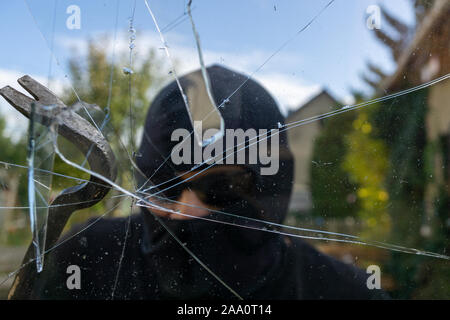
127	70
49	107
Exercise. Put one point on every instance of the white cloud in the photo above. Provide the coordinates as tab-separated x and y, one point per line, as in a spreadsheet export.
288	90
349	99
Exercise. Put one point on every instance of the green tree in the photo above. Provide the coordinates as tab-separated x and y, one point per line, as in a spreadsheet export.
12	151
13	186
385	157
91	79
333	194
400	125
366	162
123	100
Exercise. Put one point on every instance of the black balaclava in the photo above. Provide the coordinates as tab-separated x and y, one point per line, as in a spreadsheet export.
245	259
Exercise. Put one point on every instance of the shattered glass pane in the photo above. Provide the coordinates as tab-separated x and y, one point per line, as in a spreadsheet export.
40	157
223	149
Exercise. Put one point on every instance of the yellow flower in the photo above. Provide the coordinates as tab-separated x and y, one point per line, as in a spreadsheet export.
383	195
366	128
363	193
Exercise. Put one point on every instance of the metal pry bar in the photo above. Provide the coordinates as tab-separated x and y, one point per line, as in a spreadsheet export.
89	141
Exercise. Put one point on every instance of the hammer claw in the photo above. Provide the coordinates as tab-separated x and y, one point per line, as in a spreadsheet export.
89	141
18	100
38	91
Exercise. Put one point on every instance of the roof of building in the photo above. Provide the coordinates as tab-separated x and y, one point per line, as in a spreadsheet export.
322	93
438	13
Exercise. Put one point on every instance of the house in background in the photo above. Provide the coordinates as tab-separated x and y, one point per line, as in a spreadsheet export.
301	142
427	58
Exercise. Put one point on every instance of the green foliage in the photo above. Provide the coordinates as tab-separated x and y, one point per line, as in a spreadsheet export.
401	124
14	152
13	187
385	156
333	194
91	79
127	98
417	202
366	162
349	175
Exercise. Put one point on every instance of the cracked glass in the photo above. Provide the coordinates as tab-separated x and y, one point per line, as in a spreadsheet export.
220	150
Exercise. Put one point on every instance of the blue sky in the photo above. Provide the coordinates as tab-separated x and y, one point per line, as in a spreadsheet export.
330	54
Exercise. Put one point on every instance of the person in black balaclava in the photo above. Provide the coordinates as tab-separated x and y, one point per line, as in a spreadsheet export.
228	200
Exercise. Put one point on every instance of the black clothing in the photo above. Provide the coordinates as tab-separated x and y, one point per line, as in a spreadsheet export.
303	272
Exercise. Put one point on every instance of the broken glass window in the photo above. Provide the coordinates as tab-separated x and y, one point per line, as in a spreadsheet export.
294	130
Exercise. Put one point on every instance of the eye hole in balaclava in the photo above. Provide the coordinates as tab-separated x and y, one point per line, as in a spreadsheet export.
216	187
